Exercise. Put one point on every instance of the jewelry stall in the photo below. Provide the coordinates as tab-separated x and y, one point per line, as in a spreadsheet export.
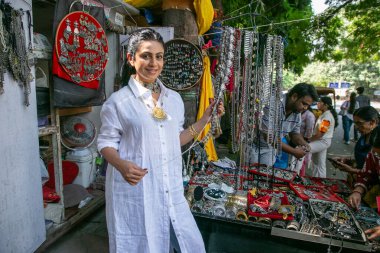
271	207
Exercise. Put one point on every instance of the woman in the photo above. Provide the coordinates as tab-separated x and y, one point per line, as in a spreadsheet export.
368	178
141	138
366	119
321	139
348	107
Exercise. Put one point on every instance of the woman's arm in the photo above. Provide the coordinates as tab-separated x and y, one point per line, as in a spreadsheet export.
195	129
369	174
130	171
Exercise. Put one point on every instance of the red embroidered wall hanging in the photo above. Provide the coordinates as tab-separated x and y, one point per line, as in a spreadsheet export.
81	49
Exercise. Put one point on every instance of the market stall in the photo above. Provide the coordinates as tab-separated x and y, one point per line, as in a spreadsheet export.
279	203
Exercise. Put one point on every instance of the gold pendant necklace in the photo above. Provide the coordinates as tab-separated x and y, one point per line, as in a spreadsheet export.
159	113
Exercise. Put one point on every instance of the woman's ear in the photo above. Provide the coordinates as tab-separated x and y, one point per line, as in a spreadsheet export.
130	59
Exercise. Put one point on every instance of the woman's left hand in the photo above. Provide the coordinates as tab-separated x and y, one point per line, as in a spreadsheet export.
373	232
220	109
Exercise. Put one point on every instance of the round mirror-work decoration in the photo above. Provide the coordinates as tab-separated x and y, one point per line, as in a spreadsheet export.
183	66
81	47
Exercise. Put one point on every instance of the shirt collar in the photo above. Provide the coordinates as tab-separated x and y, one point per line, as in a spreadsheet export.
140	91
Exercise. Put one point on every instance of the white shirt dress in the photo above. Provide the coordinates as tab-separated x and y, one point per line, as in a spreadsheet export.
139	217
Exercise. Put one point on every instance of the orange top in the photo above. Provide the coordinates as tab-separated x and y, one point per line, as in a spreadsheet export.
324	126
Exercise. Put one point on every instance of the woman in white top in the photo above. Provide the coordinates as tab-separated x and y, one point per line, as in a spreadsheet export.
141	137
321	139
348	107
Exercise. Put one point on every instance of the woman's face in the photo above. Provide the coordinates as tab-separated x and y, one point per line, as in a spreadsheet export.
321	106
364	127
148	61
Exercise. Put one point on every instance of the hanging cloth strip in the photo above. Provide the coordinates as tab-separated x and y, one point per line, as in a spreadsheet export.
205	95
205	14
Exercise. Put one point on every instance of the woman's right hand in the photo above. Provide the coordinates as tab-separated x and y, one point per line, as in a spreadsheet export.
344	167
299	152
354	200
131	172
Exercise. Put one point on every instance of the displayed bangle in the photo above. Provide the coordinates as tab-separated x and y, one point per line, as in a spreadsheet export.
357	192
241	215
193	132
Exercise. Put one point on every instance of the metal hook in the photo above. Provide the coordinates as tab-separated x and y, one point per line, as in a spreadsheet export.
83	4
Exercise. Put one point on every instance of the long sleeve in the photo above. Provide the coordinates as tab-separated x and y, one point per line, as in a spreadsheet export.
370	173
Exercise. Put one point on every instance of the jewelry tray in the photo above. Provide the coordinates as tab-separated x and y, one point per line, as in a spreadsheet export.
330	216
269	214
314	192
334	185
278	174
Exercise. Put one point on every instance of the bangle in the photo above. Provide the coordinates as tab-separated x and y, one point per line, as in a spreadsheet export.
193	132
357	192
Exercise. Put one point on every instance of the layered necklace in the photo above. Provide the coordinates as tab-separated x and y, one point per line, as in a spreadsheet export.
158	112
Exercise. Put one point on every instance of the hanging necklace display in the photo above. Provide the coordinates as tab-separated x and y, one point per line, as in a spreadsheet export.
81	47
183	65
235	95
226	60
17	61
3	53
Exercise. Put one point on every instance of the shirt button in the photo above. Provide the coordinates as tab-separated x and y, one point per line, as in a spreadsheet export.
173	221
167	191
161	125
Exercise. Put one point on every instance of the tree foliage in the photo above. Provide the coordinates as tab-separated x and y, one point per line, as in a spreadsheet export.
352	27
358	74
272	17
347	30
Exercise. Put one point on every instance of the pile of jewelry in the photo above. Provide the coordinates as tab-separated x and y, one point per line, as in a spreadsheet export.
334	219
205	179
269	204
314	192
279	174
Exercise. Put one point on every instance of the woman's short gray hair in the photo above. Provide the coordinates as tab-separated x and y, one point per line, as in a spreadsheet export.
143	34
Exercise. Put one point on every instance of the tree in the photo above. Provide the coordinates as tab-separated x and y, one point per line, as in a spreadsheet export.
272	17
353	26
358	74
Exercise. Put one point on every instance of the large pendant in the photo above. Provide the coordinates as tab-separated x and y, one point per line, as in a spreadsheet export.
159	113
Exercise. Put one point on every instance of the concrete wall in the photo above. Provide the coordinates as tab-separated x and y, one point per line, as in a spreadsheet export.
22	227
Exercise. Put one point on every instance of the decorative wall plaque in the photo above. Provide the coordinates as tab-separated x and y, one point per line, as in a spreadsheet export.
183	65
81	47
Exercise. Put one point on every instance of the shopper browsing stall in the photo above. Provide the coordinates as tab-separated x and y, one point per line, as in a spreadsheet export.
323	134
141	138
366	119
367	179
298	99
307	129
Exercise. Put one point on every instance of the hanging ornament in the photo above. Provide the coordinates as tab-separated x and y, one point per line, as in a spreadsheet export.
82	50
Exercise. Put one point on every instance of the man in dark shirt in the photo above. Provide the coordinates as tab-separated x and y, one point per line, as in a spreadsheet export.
363	100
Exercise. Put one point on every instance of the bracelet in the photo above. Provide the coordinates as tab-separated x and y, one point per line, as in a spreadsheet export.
242	215
357	192
193	132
